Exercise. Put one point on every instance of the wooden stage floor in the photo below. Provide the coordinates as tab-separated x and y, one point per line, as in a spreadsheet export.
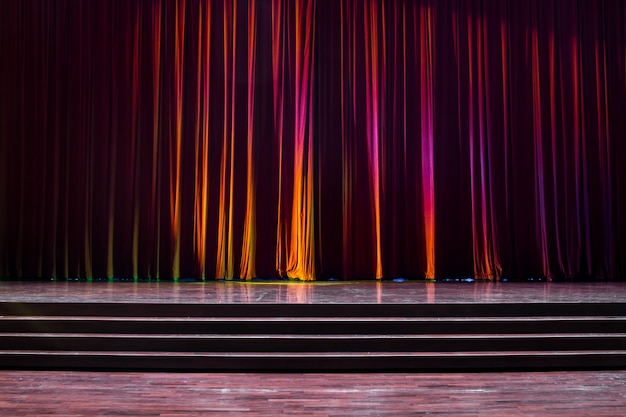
599	392
320	292
571	394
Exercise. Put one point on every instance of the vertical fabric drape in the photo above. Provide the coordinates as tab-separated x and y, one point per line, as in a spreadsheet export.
313	139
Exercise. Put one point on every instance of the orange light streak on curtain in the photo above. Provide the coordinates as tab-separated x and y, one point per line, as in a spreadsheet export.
301	252
225	266
201	197
427	134
247	266
175	157
295	245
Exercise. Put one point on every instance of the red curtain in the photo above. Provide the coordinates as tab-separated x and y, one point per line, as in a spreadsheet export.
352	139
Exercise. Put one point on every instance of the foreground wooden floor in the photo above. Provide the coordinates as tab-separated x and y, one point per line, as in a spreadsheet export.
201	394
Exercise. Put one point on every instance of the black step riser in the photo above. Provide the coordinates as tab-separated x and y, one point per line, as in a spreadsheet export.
318	344
311	327
312	337
444	363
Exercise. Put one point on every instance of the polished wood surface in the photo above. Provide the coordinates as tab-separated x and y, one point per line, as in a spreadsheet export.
449	394
320	292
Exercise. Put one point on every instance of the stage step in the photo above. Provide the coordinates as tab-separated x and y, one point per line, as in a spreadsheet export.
314	343
314	361
307	337
313	325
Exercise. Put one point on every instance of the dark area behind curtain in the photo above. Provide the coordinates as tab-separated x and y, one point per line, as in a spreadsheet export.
313	139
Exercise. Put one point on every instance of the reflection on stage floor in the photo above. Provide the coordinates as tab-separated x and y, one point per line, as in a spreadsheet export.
317	292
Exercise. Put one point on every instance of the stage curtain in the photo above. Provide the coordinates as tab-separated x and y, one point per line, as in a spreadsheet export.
348	139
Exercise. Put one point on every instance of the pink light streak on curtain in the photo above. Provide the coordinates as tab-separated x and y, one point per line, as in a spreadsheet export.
427	44
374	97
279	34
505	103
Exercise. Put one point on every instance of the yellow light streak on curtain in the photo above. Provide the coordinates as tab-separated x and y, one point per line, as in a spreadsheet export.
301	253
247	265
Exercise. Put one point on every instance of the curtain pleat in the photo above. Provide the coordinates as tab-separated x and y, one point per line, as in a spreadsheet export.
308	139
